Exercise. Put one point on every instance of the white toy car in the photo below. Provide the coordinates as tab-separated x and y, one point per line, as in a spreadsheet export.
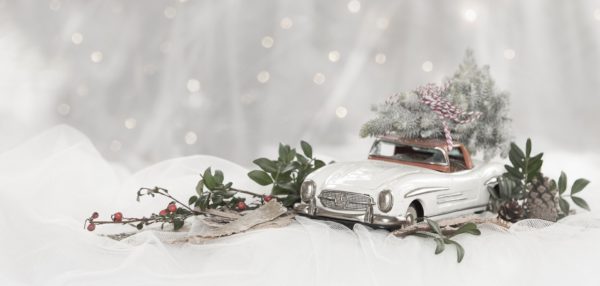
402	182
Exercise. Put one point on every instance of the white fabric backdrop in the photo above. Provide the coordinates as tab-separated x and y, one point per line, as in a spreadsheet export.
55	180
171	67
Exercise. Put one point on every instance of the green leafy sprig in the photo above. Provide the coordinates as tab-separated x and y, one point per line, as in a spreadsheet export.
443	238
577	187
287	173
212	192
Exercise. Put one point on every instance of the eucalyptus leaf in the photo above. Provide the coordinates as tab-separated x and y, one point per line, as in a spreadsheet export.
580	203
562	183
209	180
306	149
579	185
469	227
260	177
517	150
460	251
439	248
564	205
434	226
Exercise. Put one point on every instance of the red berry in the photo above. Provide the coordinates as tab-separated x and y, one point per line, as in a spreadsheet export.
91	227
117	217
163	212
172	207
268	198
95	215
241	206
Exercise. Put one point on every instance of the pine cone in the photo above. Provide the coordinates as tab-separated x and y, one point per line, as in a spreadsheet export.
511	211
542	199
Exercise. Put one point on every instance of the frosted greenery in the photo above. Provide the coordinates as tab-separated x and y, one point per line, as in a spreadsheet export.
471	88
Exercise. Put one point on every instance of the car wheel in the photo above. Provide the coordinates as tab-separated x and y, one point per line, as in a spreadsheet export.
412	214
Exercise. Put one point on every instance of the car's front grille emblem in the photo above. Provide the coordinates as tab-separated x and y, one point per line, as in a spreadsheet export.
340	200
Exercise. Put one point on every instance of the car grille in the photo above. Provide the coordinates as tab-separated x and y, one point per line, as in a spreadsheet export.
340	200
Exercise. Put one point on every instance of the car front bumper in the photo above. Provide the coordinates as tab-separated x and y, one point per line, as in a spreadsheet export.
312	210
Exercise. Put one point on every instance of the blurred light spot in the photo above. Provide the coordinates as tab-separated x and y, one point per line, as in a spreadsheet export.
193	85
54	5
115	146
248	98
509	54
286	23
263	76
96	56
190	137
170	12
267	42
354	6
380	58
77	38
334	56
470	15
341	112
427	66
82	90
319	78
130	123
165	47
63	109
597	14
382	23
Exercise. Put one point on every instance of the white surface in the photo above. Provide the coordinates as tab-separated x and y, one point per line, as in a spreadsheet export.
52	182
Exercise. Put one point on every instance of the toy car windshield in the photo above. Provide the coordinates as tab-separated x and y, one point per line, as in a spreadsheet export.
408	153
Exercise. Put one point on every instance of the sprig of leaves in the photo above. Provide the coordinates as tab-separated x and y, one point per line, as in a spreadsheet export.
287	173
577	187
441	239
524	167
212	192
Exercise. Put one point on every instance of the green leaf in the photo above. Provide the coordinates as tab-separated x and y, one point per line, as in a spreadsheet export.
192	200
301	159
439	248
528	147
306	149
140	225
319	164
580	202
534	168
266	164
579	185
564	206
177	224
514	160
460	251
200	187
434	226
209	180
517	150
513	172
283	152
536	158
228	186
219	177
562	183
291	155
203	201
260	177
470	228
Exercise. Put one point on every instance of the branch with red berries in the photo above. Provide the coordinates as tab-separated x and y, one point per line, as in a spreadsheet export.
212	194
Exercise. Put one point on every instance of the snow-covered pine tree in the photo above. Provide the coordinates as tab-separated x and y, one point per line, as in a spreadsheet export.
470	89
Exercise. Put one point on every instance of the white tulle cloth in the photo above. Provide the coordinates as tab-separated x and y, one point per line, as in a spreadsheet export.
51	183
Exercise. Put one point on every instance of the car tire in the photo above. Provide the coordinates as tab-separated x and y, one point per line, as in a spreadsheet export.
412	212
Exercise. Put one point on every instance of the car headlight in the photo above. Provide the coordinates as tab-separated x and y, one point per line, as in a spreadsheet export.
385	201
307	190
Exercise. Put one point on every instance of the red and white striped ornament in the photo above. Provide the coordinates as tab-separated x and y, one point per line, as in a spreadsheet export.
431	95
